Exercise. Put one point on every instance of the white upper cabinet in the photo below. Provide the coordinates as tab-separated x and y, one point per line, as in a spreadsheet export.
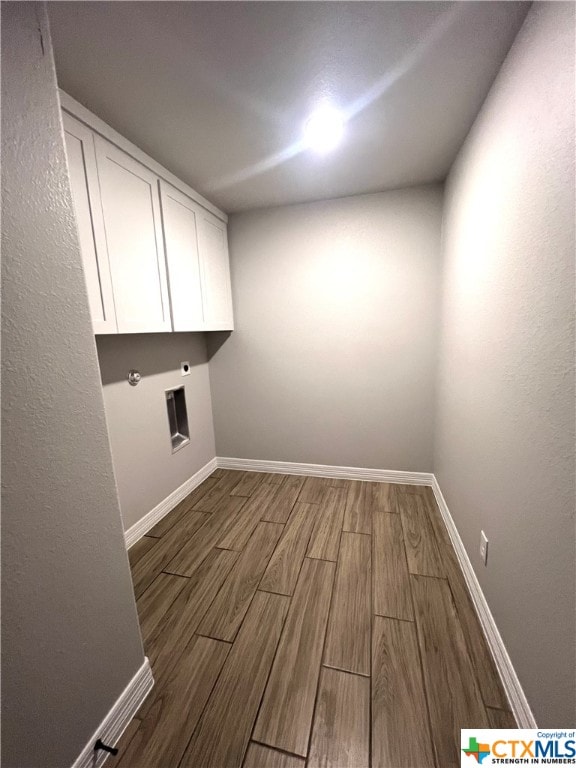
86	198
198	264
215	273
131	210
180	217
155	252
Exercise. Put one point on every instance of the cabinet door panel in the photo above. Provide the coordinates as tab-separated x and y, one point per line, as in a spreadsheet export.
180	219
215	267
86	198
131	209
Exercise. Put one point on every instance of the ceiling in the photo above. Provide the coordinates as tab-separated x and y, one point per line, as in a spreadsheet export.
218	91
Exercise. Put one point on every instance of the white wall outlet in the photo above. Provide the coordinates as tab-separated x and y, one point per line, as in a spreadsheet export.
484	547
185	368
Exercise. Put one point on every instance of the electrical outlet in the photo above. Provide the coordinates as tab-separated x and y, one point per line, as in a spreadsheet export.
185	368
484	547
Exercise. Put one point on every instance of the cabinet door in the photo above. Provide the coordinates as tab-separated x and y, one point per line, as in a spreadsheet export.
131	209
215	273
86	198
180	220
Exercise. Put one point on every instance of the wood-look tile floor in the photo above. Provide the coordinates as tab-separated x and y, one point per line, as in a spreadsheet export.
299	622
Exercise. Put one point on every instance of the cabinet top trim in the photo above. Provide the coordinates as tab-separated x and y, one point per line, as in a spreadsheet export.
80	112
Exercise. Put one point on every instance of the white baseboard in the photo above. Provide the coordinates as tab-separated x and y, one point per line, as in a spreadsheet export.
117	720
512	687
324	470
150	519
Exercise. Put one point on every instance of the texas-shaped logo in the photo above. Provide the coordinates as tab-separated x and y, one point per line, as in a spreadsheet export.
479	751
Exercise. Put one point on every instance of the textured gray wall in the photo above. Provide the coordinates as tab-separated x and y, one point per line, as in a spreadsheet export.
332	360
70	636
505	438
146	469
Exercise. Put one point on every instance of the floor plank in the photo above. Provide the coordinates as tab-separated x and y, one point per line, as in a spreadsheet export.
172	518
313	490
358	512
391	582
223	732
382	497
226	613
167	642
238	534
488	678
500	718
284	566
421	549
336	482
150	565
325	539
402	488
176	708
139	549
487	674
400	724
156	601
454	699
278	511
197	547
127	736
211	500
286	713
341	733
259	756
348	635
274	478
248	483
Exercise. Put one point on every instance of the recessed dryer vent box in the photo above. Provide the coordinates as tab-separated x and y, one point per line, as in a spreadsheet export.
177	417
